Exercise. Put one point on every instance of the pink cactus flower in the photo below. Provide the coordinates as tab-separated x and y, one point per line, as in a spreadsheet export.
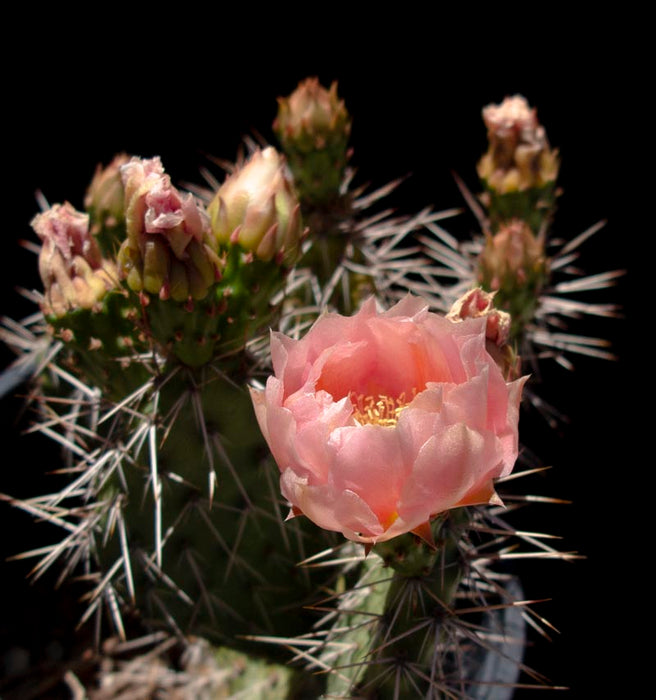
382	420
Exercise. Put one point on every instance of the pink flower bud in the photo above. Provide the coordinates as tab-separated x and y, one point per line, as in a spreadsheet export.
74	274
477	303
169	250
380	421
513	257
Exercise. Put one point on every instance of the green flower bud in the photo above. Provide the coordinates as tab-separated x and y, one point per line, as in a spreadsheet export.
314	127
312	117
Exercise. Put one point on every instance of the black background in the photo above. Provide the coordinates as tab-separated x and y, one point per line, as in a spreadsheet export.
184	89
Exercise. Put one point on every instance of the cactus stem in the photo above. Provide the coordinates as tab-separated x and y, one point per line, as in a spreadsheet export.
207	448
170	620
243	518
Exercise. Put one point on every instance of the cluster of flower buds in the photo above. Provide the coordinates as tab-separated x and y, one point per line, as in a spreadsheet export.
518	157
257	209
220	268
168	250
74	273
314	127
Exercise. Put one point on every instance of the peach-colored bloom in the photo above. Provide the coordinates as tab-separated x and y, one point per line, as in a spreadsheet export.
382	420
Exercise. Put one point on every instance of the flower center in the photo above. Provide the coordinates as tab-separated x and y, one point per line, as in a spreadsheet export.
378	410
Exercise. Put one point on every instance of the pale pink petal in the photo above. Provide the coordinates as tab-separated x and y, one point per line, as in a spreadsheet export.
317	417
410	306
448	466
341	511
370	462
260	408
281	349
467	403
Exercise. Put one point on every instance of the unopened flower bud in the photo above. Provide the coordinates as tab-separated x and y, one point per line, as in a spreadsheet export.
168	250
477	303
512	256
256	208
513	264
104	198
312	117
518	156
73	271
314	127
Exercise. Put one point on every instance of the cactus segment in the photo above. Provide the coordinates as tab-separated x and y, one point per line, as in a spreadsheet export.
534	206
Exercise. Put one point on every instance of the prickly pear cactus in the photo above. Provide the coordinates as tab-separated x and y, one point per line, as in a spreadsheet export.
156	312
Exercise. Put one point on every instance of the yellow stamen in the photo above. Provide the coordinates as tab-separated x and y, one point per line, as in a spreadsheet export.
378	410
